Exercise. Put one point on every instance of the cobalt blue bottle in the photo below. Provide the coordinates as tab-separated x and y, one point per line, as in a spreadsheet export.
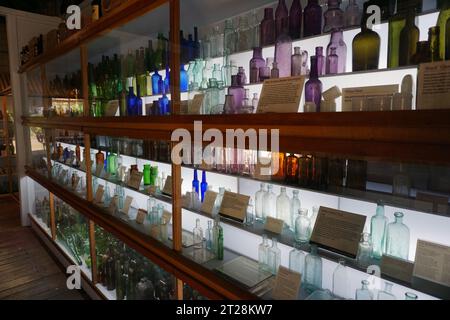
195	183
156	79
184	80
167	80
131	102
203	185
164	104
138	101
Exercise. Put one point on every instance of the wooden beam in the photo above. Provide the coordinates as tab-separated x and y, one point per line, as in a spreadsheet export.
175	55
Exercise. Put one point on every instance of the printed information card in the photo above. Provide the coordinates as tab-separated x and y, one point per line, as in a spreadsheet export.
234	206
432	262
281	95
287	284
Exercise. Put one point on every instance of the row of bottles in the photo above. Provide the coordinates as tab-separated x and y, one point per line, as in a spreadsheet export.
42	210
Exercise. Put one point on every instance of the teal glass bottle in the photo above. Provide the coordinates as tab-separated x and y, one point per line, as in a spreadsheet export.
397	238
313	270
220	244
378	224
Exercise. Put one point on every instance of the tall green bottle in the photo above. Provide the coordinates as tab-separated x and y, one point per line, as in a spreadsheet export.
366	46
396	24
409	36
444	26
141	75
92	91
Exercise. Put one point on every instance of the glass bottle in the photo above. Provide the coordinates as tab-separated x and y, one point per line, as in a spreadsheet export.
292	168
209	235
386	294
256	63
313	270
99	158
281	13
341	280
312	19
433	40
238	93
215	232
364	293
156	80
366	46
283	49
184	80
409	36
365	249
352	14
264	72
302	226
313	87
263	251
229	37
410	296
269	203
220	247
203	186
396	24
332	62
321	62
397	238
279	173
255	101
274	257
284	208
244	36
334	17
337	42
297	260
267	29
198	235
378	224
295	19
138	102
250	214
131	103
274	73
313	218
259	202
295	208
444	27
195	182
401	183
296	62
242	77
147	174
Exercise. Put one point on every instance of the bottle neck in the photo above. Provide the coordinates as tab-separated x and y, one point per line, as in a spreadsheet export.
257	52
337	36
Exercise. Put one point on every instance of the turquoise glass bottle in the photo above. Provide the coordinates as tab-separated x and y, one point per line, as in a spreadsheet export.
378	224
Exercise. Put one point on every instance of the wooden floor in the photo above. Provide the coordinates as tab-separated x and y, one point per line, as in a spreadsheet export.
27	270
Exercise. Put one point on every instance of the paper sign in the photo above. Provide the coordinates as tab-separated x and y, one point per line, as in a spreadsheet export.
127	204
111	108
433	89
99	194
234	206
208	202
98	171
361	93
274	225
168	186
135	180
432	262
397	268
141	215
287	284
281	95
167	216
338	230
195	105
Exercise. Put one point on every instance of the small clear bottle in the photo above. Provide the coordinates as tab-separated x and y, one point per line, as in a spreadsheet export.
284	208
302	226
386	294
365	249
274	257
259	202
313	270
250	216
198	235
397	238
263	250
269	203
295	207
209	236
297	260
341	280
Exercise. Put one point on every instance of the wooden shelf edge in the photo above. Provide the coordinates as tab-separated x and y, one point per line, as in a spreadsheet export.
198	277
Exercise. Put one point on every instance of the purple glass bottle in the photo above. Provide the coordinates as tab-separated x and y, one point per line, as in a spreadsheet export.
312	19
281	13
332	62
337	41
334	16
264	72
283	51
321	63
296	62
313	87
238	93
267	29
295	19
256	63
242	77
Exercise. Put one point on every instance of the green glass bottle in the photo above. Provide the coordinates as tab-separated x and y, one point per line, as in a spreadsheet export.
396	24
433	40
92	91
141	74
366	46
444	26
409	36
220	244
147	174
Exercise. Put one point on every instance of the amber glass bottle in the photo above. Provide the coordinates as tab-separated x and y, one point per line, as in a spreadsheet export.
366	46
305	172
78	153
99	158
280	158
409	36
292	168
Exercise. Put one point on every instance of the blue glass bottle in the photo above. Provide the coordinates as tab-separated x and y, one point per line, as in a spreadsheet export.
138	101
164	104
156	78
131	102
184	80
167	80
191	48
203	186
195	183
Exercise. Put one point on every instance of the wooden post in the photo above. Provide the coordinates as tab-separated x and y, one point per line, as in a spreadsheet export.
7	139
175	56
52	216
84	79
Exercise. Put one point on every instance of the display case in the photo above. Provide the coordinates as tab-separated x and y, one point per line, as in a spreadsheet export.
359	147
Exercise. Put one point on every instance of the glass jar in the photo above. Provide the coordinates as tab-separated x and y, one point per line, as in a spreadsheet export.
397	238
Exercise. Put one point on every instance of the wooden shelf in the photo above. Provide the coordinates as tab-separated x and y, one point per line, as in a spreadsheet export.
127	11
410	136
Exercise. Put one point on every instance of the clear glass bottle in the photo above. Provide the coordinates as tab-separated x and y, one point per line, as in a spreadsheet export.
295	207
283	50
397	238
274	257
313	270
364	293
255	101
312	19
386	294
409	36
365	249
313	87
410	296
297	260
341	281
275	72
296	62
337	42
198	235
250	215
218	201
401	184
284	208
378	224
352	14
229	37
267	29
244	34
259	202
209	235
263	251
256	63
334	17
242	77
281	13
269	203
302	226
